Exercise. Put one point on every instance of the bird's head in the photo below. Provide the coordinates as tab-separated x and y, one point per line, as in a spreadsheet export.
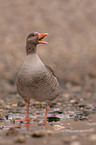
32	40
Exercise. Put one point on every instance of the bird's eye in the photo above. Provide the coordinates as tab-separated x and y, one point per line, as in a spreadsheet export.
30	35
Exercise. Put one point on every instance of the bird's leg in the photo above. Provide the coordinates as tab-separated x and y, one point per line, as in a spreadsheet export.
45	119
27	118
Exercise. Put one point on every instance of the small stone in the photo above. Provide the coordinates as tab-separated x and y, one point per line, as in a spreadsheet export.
17	126
1	117
81	99
1	102
68	123
75	143
58	103
34	114
1	127
20	139
12	131
58	127
92	137
13	121
73	101
36	120
41	133
14	105
2	111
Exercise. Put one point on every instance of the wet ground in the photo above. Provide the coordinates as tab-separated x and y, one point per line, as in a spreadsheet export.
71	119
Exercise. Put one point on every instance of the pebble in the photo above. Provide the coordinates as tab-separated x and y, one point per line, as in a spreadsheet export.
58	127
1	117
12	131
2	111
1	127
68	123
17	126
36	120
75	143
92	137
14	105
81	99
74	101
20	139
1	102
41	133
58	103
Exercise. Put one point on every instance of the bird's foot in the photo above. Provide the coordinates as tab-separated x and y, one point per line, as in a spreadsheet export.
44	121
26	119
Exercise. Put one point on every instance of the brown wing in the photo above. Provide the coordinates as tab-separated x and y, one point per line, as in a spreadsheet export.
50	70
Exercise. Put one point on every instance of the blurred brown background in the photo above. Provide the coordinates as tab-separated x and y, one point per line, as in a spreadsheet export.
71	25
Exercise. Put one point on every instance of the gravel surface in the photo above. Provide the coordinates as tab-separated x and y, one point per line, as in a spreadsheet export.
71	119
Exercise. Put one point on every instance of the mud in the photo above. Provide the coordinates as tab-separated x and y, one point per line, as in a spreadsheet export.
71	119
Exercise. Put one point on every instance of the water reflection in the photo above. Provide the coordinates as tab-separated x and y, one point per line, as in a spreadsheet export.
28	125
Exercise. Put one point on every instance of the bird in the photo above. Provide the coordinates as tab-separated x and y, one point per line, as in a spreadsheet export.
36	80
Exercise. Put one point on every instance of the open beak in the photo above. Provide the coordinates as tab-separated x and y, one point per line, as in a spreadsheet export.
40	37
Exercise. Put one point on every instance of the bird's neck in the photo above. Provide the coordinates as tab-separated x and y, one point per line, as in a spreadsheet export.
30	49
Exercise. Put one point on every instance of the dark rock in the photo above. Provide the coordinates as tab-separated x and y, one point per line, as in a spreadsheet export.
6	116
51	119
12	131
41	133
58	112
81	105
